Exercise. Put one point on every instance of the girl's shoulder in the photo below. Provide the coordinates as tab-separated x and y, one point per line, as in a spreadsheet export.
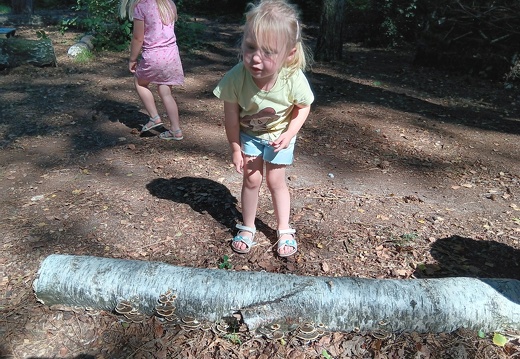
237	71
238	68
297	85
292	73
293	76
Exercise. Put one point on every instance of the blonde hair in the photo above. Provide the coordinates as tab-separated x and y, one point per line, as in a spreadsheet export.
167	10
268	17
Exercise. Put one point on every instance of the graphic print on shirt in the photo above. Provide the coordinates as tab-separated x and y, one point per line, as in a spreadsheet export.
259	121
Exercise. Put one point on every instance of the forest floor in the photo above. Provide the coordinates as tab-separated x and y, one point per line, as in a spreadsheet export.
400	172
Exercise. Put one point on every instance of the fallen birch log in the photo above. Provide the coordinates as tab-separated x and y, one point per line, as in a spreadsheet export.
261	298
15	52
84	45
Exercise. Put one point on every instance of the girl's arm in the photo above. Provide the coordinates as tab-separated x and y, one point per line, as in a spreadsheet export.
232	125
136	44
299	115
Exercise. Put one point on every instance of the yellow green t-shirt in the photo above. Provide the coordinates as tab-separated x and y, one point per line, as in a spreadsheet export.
264	114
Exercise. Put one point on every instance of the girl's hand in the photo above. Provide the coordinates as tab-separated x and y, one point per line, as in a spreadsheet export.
281	142
132	65
238	161
299	115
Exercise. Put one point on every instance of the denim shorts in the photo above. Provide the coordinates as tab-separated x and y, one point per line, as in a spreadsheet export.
256	147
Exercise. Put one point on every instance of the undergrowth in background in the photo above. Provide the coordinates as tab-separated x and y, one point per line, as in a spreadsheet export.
4	9
101	19
84	56
442	32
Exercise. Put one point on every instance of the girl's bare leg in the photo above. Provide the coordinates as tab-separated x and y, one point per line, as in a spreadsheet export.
253	177
172	110
275	178
147	98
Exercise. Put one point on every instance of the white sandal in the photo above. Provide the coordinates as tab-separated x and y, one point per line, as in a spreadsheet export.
248	241
172	135
286	242
155	123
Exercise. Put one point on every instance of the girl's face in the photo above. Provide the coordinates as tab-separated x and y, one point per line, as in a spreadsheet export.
263	61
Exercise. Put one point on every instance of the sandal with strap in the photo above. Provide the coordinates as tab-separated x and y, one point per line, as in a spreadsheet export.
154	122
286	242
248	241
169	135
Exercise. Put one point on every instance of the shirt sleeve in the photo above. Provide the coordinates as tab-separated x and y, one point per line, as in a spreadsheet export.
227	88
138	11
302	92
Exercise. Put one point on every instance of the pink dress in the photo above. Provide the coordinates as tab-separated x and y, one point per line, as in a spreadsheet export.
160	63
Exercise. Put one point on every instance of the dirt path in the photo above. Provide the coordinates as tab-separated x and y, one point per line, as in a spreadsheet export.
401	172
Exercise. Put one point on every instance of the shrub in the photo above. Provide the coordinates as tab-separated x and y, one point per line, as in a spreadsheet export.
101	18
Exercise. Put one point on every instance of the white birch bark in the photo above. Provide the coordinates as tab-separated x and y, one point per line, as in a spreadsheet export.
340	303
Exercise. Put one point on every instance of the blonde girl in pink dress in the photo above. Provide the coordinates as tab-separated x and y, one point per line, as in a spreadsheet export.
160	63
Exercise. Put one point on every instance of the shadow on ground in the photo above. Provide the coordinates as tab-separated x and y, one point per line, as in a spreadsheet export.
465	257
201	194
204	196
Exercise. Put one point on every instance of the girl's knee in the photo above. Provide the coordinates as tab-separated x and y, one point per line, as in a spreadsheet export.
164	90
252	183
141	82
277	187
275	177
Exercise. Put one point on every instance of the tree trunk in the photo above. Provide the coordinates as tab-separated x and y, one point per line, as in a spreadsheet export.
22	6
340	303
329	46
15	52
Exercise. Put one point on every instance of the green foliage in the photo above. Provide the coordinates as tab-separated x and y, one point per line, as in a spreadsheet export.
361	5
5	5
40	34
115	37
421	266
67	24
326	354
388	22
225	264
310	9
409	237
405	239
499	339
383	22
233	338
83	56
53	4
110	32
113	33
100	9
398	20
189	33
103	21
